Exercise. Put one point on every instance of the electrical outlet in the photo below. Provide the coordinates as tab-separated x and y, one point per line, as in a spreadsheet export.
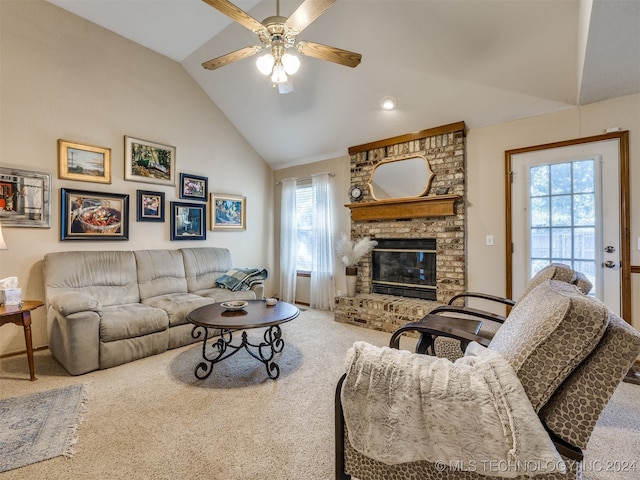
339	292
489	240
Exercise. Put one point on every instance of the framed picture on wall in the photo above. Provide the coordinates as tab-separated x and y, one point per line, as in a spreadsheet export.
188	221
85	163
149	162
88	215
193	187
228	212
25	198
150	206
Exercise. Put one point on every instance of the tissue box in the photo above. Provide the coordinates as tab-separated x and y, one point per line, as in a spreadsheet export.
10	296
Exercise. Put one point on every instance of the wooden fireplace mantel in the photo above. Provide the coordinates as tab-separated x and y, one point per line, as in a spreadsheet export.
433	206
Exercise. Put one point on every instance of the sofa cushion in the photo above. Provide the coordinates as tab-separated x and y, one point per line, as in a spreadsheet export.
178	305
204	265
109	277
160	272
131	320
574	409
548	334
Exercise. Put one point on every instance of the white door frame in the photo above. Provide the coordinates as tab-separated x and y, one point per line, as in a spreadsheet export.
625	245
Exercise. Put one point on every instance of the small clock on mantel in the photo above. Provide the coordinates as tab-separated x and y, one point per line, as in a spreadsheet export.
355	193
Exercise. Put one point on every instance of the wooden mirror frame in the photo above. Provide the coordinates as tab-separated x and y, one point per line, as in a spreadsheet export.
389	161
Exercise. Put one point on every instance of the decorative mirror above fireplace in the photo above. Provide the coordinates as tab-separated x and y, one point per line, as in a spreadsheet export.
404	177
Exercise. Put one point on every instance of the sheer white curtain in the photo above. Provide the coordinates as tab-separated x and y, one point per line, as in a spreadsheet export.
288	240
322	251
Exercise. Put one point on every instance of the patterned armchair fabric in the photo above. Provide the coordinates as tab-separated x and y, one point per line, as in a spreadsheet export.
558	336
590	386
548	334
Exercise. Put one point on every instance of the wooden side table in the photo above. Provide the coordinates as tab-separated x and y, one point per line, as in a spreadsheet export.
21	315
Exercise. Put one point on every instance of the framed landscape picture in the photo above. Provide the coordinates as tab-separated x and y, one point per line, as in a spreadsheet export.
85	163
193	187
93	215
149	162
25	198
228	212
150	206
188	221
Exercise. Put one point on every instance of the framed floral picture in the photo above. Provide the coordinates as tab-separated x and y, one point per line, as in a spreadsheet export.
85	163
150	206
149	162
188	221
93	215
193	187
228	212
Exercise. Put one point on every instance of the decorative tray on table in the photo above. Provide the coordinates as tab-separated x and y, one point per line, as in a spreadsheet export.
234	305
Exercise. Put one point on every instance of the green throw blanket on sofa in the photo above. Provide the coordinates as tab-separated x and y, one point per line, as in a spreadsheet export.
241	278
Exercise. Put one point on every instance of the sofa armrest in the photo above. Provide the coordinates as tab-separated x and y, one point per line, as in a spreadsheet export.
74	302
258	288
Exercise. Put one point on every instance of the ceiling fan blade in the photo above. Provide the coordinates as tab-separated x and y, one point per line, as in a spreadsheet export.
306	13
237	14
331	54
231	57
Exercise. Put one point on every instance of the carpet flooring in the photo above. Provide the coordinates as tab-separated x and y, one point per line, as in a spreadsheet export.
152	419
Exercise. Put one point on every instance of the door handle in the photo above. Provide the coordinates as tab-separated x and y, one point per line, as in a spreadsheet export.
609	264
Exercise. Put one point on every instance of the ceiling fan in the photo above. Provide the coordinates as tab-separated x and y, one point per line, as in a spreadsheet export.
277	35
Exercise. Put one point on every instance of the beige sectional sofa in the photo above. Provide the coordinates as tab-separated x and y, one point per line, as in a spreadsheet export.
106	308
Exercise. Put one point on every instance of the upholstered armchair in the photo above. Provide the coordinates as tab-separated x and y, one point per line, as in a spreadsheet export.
567	353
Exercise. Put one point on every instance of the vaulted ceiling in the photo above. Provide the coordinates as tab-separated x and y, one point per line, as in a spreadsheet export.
480	61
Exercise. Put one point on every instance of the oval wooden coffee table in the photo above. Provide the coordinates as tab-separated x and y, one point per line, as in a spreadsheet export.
215	321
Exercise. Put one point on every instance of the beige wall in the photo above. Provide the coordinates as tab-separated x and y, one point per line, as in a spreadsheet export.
63	77
485	174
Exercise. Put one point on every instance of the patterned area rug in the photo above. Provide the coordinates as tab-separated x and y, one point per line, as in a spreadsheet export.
40	426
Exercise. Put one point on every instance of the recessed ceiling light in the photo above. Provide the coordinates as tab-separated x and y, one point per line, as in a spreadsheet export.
389	103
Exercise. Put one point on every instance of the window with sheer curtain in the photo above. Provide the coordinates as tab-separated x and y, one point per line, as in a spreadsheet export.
306	238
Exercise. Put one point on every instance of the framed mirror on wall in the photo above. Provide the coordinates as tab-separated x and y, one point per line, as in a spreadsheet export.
404	177
25	198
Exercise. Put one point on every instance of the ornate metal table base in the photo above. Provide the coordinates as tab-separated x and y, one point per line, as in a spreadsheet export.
223	348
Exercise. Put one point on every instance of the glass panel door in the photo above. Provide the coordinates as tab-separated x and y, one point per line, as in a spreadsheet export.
562	221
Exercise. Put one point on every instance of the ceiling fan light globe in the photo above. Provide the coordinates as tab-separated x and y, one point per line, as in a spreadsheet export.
279	75
291	63
265	63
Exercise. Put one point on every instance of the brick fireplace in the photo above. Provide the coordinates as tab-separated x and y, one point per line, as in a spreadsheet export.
440	215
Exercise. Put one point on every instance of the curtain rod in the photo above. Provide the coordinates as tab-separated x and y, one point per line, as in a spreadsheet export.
331	174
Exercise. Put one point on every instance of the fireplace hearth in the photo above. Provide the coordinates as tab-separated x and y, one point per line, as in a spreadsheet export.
405	267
